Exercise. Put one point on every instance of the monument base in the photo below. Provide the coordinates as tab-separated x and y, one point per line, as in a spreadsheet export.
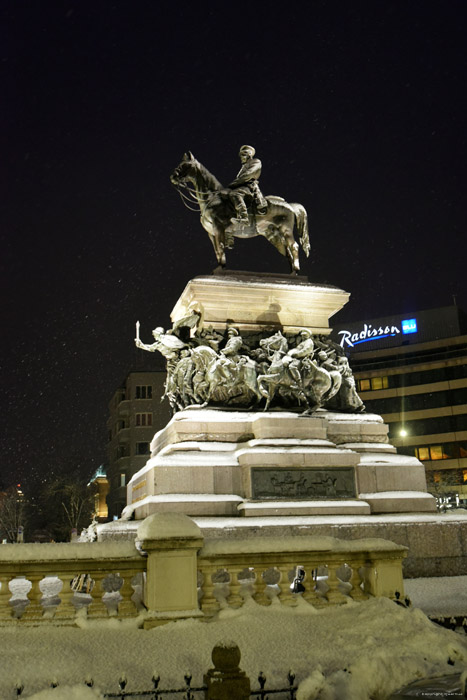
437	542
241	463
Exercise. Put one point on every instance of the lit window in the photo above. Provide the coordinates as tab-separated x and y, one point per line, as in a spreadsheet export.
143	419
365	385
436	452
122	479
423	453
437	477
379	383
464	475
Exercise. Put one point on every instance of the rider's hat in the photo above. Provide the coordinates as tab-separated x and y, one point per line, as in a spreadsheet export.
244	149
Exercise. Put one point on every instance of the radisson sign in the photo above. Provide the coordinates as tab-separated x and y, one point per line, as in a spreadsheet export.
368	333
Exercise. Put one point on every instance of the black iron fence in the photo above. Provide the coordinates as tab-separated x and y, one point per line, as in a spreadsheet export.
450	622
188	691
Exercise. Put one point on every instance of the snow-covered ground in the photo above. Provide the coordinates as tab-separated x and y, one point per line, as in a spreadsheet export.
354	652
438	596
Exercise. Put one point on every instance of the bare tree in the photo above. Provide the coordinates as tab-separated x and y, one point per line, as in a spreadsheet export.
12	513
70	504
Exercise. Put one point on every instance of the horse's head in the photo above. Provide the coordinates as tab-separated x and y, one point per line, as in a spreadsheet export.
183	171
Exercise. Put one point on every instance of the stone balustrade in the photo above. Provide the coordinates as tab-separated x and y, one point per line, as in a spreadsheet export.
331	571
184	576
44	582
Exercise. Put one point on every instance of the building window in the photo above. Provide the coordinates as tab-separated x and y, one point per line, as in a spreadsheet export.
142	448
373	384
423	453
379	383
122	451
449	450
436	452
144	392
143	419
122	479
121	425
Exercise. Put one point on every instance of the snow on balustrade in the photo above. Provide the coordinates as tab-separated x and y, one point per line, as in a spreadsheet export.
51	582
322	570
40	582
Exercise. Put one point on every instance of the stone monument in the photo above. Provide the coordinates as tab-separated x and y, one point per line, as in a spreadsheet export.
267	419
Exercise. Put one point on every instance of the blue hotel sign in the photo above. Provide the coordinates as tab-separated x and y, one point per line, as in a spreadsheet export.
369	333
409	326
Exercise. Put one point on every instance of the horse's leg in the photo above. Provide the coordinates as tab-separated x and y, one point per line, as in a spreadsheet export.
218	241
263	379
216	236
219	253
291	246
279	232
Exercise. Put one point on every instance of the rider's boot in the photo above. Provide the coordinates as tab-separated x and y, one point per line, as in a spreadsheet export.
261	205
242	214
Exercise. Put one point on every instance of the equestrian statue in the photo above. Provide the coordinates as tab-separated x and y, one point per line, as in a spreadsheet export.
241	210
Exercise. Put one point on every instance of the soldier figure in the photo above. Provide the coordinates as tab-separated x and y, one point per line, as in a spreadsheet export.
246	184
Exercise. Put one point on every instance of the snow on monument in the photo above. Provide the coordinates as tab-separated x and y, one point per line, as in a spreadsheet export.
267	420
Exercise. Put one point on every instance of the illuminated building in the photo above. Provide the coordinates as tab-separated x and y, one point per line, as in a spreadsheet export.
136	414
412	370
100	483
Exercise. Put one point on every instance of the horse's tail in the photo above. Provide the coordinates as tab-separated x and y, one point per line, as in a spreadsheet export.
301	218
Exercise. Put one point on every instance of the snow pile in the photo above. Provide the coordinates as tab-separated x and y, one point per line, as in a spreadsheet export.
445	595
356	651
76	692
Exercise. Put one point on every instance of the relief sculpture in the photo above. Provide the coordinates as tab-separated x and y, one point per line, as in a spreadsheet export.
307	483
205	367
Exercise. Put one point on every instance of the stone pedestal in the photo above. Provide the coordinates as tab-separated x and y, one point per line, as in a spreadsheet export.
226	680
260	302
235	461
220	462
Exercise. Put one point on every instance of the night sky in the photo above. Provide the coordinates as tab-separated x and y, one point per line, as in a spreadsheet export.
356	109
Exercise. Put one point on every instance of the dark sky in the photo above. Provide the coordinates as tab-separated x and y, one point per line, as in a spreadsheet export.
357	111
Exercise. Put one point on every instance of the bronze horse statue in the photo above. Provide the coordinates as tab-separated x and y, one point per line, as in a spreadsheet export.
195	183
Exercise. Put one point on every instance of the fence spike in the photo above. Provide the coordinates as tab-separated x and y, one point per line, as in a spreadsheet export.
291	677
156	679
19	687
122	682
261	680
89	682
188	677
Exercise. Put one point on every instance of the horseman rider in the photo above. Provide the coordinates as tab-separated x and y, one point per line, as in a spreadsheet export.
245	185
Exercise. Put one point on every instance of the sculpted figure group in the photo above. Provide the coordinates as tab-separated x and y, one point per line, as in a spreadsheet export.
207	367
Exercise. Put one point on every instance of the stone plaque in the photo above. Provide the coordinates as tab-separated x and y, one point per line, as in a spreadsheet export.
304	483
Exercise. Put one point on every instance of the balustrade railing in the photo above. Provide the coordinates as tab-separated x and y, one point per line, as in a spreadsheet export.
43	582
331	571
187	577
